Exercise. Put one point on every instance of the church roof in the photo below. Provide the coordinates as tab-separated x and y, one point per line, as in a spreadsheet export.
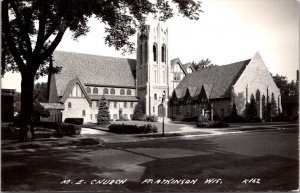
177	60
217	81
189	65
70	87
93	69
114	98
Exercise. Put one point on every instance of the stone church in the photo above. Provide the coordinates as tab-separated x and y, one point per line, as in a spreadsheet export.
84	79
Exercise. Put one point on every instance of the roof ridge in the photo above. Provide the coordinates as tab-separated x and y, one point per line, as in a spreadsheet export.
79	53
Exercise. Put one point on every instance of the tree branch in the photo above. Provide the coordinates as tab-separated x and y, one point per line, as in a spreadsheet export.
55	42
8	36
23	29
41	35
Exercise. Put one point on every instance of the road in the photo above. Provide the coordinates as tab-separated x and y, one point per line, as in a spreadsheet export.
270	157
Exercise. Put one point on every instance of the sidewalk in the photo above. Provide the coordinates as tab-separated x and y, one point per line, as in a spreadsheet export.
97	137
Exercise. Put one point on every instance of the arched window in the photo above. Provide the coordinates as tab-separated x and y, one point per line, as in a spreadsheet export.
141	54
155	96
112	91
105	91
163	53
69	105
122	92
128	92
146	52
154	53
88	90
95	91
83	113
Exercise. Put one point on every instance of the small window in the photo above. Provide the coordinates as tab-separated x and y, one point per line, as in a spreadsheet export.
125	104
105	91
96	116
131	104
115	104
108	104
95	91
154	53
155	96
115	116
112	91
163	53
88	90
91	116
83	113
153	109
122	92
128	92
69	105
125	116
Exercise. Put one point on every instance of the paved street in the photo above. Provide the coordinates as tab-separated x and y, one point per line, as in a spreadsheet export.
270	156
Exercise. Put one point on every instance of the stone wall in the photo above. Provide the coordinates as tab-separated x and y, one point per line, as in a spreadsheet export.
257	81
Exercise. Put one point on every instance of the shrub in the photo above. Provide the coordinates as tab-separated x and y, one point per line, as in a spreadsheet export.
234	119
253	119
122	119
189	119
75	121
281	118
132	129
51	125
103	117
213	124
202	120
139	111
152	118
67	129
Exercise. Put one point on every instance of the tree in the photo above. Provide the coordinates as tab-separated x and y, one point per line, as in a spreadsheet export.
234	111
31	31
139	110
40	92
286	87
282	83
204	63
252	110
103	117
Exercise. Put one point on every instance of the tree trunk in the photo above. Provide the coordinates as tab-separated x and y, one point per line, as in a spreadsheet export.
26	132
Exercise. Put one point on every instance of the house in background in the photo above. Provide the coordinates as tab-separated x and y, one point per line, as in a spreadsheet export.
213	91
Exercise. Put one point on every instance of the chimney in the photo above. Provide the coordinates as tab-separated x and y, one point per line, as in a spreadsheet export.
49	77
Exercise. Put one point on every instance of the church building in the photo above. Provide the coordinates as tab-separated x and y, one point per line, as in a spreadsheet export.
152	76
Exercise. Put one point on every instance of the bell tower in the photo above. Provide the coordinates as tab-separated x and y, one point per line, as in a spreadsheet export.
153	67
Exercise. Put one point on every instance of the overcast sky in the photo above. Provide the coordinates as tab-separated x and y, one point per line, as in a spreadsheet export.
227	31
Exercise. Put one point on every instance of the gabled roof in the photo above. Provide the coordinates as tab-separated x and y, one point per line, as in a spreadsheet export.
189	65
217	81
114	98
93	69
70	87
177	61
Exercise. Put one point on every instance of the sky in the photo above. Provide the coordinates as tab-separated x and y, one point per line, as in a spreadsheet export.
228	31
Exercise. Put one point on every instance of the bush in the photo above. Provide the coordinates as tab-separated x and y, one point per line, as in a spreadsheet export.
50	125
122	119
253	119
67	129
201	120
213	124
152	118
139	111
75	121
189	119
234	119
281	118
132	129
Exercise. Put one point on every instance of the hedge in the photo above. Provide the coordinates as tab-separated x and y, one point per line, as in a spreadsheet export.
132	129
75	121
67	129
